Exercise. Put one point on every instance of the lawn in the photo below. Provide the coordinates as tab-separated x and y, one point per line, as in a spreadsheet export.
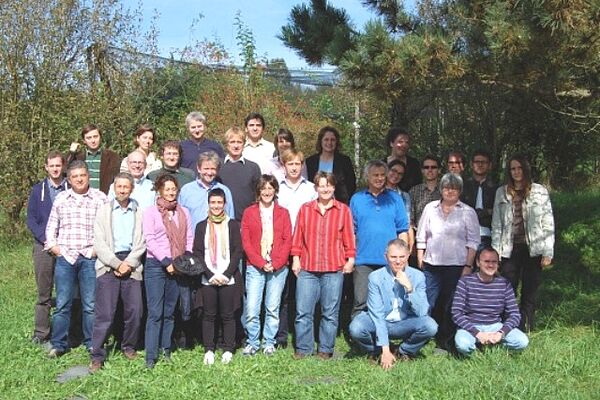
563	360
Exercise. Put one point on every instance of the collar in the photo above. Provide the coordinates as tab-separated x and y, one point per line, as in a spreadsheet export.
458	204
93	153
61	185
72	193
315	204
229	159
248	143
300	182
203	186
131	205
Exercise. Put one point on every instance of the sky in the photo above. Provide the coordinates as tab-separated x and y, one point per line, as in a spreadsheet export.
263	17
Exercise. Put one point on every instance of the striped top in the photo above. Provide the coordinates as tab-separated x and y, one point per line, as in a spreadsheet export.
484	303
93	161
323	241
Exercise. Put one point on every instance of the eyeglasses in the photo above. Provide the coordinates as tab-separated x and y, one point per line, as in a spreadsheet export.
429	167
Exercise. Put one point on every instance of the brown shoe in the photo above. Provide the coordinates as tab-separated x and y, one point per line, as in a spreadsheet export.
95	366
324	356
130	354
299	356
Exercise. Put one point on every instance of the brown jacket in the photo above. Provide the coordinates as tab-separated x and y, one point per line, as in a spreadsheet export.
110	163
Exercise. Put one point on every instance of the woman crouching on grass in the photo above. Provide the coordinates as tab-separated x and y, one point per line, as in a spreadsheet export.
323	249
218	244
168	232
267	239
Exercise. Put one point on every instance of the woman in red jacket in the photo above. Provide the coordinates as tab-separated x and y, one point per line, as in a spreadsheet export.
267	240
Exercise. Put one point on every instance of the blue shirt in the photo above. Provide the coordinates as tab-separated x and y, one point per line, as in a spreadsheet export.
123	224
377	220
142	192
55	190
191	151
384	289
194	197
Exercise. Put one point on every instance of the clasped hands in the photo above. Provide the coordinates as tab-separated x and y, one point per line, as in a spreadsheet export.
218	280
489	337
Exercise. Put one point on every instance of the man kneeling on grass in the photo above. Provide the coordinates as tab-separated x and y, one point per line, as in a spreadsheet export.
396	309
485	309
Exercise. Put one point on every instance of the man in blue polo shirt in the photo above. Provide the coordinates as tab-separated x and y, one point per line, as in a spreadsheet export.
194	195
379	216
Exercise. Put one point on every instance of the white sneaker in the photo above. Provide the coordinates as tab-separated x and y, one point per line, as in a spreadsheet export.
227	357
209	358
249	350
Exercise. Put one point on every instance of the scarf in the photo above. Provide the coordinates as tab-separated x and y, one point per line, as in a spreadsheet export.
217	234
176	233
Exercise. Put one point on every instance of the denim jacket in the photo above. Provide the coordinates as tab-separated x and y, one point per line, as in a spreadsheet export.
538	219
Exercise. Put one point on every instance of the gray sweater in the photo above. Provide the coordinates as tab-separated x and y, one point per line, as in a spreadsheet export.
104	244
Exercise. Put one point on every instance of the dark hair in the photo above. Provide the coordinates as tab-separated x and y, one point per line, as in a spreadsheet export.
482	153
430	157
324	175
173	144
55	154
394	132
520	158
483	249
321	135
458	155
141	130
88	128
217	192
285	134
395	162
162	180
254	115
262	181
77	164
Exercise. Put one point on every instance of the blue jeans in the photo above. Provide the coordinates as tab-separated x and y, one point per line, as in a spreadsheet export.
66	277
466	343
441	283
415	332
162	293
313	287
272	284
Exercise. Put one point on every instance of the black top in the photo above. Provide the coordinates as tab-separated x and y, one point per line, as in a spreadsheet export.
241	178
343	172
469	197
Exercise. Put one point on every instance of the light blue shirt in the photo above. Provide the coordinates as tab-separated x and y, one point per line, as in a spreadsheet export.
385	291
123	224
194	197
142	193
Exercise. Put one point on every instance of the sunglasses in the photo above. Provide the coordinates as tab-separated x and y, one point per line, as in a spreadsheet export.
429	167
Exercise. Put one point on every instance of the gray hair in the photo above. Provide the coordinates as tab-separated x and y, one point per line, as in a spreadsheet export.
399	243
194	116
209	156
374	164
137	152
452	181
125	175
77	164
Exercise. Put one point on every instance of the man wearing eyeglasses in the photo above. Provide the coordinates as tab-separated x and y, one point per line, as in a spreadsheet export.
427	191
479	191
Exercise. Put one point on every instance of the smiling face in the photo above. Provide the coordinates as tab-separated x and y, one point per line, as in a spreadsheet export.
329	142
171	157
488	263
325	190
400	145
92	140
376	179
207	171
168	191
395	175
216	205
145	141
293	169
254	129
196	130
123	189
450	195
54	168
136	163
79	179
397	258
267	194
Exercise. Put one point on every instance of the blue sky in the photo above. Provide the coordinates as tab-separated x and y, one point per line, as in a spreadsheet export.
263	17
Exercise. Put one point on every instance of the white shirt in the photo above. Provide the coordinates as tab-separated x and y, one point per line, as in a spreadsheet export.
261	154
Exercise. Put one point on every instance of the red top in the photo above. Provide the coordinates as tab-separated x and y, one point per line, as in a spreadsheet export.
252	233
323	241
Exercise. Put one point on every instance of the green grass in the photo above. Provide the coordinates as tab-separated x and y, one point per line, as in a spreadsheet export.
562	361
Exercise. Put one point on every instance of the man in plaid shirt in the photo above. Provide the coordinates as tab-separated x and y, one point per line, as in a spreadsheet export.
70	238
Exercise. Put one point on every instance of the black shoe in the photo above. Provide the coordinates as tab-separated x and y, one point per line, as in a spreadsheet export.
281	345
166	353
150	364
55	353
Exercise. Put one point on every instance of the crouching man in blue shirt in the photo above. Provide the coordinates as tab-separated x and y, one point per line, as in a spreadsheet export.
396	309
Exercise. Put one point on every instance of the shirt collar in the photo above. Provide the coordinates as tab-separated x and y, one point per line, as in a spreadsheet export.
261	142
229	159
61	185
93	153
203	186
131	206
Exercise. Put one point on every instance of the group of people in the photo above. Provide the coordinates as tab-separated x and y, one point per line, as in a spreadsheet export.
201	240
